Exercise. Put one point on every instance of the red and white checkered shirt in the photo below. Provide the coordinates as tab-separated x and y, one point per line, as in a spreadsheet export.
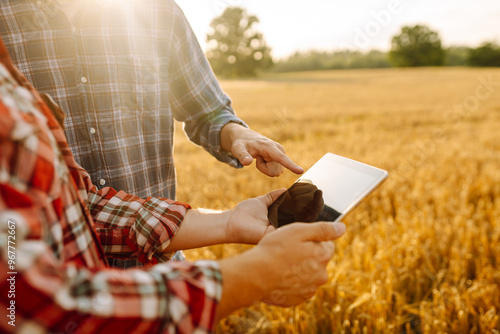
122	70
56	229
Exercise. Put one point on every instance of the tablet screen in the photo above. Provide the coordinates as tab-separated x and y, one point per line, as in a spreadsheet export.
341	182
326	192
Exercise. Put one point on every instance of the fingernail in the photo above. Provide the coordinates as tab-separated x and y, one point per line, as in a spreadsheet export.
339	228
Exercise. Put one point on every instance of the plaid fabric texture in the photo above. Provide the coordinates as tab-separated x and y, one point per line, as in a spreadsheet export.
123	70
64	227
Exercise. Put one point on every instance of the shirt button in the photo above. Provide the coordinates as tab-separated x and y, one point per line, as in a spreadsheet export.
73	28
102	182
92	130
39	3
84	80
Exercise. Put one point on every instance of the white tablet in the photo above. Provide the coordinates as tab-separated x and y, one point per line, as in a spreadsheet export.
341	182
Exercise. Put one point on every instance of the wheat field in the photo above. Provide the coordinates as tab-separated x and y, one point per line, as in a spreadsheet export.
422	253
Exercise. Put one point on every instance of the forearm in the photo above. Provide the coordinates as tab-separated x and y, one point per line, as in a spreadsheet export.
200	228
243	281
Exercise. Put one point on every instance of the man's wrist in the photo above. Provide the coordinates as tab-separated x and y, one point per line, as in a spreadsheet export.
228	134
215	223
243	280
200	228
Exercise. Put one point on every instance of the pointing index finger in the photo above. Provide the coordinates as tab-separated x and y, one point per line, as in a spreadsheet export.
286	162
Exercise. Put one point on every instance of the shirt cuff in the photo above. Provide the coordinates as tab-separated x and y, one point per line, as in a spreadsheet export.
195	291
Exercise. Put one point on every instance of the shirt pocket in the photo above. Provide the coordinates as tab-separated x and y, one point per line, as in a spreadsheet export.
138	88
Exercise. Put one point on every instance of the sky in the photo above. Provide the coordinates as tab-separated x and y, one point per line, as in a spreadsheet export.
294	25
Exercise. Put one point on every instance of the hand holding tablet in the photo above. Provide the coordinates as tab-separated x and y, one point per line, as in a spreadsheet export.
326	192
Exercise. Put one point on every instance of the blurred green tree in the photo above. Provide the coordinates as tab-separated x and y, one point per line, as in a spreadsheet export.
456	55
417	46
322	60
487	54
235	48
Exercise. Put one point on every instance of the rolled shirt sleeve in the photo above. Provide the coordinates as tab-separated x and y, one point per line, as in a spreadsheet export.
128	226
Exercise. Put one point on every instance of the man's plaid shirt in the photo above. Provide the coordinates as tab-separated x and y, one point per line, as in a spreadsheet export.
122	70
56	229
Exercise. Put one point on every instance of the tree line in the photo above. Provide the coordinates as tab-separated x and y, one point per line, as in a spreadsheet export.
236	49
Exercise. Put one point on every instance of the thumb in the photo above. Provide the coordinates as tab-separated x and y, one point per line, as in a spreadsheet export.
321	231
240	152
271	197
